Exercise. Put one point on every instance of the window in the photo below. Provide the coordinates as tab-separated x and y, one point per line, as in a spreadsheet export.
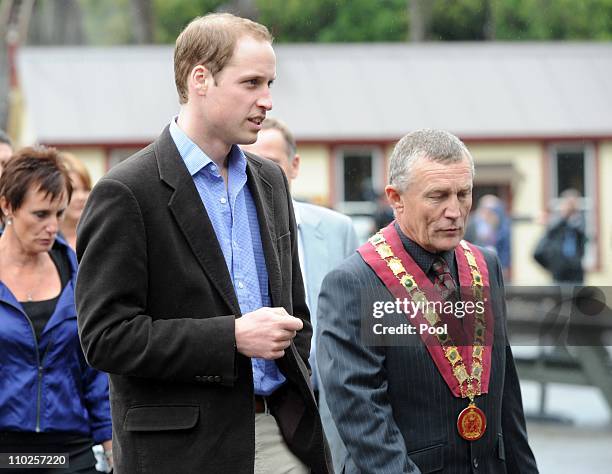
573	167
360	174
570	170
357	176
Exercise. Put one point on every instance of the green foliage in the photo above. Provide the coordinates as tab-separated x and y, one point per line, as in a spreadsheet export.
554	19
334	20
457	20
364	20
108	22
171	16
297	20
515	20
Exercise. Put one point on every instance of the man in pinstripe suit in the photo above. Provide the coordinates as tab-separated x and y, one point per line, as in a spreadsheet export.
414	402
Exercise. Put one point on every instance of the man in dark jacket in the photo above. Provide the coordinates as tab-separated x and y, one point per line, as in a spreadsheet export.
190	291
562	248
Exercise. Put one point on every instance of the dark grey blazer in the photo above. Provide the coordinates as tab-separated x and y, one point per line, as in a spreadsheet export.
156	309
393	409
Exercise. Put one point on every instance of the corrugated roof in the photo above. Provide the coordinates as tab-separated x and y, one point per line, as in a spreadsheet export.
335	92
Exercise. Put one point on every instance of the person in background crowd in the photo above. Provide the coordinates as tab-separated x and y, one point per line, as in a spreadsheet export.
190	292
489	227
561	249
81	187
448	402
383	214
50	399
6	149
325	238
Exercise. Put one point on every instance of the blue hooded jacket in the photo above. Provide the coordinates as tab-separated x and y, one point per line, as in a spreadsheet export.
51	389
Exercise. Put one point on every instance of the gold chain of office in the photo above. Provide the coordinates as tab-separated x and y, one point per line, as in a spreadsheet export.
451	352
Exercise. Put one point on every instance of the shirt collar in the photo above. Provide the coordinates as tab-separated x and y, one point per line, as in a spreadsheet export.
422	257
193	156
296	212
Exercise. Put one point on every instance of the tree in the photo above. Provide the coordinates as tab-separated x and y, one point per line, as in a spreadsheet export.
554	19
56	23
364	20
110	22
419	14
171	16
142	20
334	20
107	22
458	20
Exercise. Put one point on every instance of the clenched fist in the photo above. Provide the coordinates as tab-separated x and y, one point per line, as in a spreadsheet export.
266	332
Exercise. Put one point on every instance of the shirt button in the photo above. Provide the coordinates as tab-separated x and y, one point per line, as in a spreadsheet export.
213	168
222	200
240	285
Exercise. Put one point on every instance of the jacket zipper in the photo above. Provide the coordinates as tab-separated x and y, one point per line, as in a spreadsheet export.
39	367
40	376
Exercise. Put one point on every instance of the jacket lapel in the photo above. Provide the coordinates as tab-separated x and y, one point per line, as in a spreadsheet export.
192	219
263	196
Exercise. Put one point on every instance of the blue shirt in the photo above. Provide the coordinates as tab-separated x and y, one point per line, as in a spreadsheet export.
233	215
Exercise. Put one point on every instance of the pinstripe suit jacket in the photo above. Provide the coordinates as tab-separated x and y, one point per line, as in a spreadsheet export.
392	407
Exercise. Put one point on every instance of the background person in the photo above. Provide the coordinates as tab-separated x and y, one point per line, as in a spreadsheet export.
489	226
50	399
6	149
81	187
561	249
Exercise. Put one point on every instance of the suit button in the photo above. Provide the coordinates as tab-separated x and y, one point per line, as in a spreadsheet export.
211	378
475	463
217	378
198	378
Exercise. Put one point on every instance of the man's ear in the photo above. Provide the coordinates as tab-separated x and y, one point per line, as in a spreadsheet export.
200	80
294	167
394	197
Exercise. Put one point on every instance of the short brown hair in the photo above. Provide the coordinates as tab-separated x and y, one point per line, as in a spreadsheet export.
41	167
77	167
271	123
210	41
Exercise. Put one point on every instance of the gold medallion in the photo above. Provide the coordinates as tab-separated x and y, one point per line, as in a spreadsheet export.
471	423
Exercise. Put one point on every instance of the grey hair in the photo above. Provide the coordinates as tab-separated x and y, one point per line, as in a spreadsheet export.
435	145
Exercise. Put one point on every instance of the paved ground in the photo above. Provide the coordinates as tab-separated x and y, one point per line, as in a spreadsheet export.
582	446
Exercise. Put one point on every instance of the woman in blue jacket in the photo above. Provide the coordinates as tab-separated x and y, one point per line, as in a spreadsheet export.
51	401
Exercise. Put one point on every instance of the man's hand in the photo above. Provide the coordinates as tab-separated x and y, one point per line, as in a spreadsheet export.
266	333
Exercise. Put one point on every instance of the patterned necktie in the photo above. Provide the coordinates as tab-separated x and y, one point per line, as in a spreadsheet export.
443	281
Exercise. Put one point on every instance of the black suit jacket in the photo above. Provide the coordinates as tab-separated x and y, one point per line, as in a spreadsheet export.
156	310
392	407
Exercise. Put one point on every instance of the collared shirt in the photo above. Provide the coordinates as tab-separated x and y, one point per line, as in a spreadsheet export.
425	259
233	215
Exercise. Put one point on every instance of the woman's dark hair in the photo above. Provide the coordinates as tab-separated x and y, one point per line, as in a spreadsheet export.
40	168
